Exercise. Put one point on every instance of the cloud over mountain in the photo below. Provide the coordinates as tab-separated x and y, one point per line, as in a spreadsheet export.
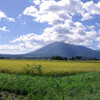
59	15
61	27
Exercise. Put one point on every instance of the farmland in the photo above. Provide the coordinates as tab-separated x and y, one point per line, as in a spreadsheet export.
49	67
60	80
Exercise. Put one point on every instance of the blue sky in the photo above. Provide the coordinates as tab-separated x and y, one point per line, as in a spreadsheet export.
27	25
13	9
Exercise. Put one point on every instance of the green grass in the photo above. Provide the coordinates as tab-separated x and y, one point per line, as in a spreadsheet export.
49	67
55	80
75	87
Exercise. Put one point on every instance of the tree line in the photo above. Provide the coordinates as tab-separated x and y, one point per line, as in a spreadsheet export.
55	58
72	58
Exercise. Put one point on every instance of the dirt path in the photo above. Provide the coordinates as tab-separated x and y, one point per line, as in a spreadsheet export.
11	96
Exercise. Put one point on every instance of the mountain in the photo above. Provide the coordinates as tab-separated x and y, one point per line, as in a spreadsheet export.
98	51
59	49
63	49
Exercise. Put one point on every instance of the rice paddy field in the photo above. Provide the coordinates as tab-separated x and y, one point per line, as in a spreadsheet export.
49	67
49	80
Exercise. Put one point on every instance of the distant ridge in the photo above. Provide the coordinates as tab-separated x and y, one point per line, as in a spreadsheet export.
60	49
63	49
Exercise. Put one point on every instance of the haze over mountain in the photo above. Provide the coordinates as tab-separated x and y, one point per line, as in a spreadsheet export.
60	49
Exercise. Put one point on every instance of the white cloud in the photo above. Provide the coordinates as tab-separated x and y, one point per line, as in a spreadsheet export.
3	15
90	9
8	48
99	32
87	16
4	29
54	12
98	46
11	49
98	39
98	24
19	16
92	27
17	49
49	10
37	2
11	19
69	32
30	11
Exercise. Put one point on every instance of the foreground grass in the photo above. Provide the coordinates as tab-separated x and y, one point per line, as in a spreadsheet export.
49	67
76	87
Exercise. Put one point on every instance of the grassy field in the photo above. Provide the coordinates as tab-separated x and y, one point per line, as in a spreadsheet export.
49	67
59	80
77	87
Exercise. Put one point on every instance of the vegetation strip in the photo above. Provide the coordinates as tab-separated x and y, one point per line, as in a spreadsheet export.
77	87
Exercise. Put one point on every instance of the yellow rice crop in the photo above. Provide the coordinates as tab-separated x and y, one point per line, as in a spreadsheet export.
50	67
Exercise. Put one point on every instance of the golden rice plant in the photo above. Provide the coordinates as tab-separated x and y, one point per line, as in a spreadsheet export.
50	67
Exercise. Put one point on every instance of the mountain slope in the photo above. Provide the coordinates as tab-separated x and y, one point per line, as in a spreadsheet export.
59	49
63	49
98	51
